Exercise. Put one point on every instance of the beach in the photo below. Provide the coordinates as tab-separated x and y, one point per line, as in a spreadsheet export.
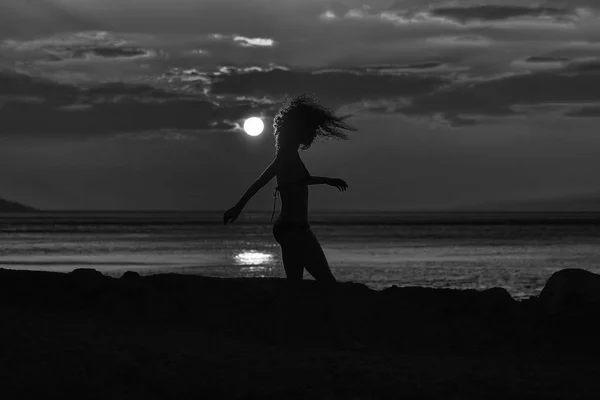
515	251
181	336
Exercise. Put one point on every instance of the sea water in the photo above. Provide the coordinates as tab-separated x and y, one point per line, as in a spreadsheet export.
466	251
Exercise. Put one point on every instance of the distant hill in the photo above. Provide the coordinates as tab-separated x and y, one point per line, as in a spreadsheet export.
10	206
580	203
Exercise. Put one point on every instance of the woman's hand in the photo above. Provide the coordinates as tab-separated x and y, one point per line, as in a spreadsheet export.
231	214
338	183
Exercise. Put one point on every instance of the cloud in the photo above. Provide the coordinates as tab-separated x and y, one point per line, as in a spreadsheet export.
76	107
502	96
373	5
160	134
328	15
419	61
545	59
111	52
426	67
423	65
88	46
466	40
199	52
460	16
221	98
334	88
587	111
244	41
230	69
466	14
586	66
182	34
224	125
572	3
112	108
194	80
176	74
447	97
92	53
253	42
15	84
541	62
99	38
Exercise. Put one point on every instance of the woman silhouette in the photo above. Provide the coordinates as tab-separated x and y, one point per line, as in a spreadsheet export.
297	124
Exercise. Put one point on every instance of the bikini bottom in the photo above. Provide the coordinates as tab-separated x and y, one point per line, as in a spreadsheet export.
286	231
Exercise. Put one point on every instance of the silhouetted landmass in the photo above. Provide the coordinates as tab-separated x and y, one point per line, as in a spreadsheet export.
11	207
184	337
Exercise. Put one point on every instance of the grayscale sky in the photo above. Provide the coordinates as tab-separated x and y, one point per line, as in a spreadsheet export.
131	104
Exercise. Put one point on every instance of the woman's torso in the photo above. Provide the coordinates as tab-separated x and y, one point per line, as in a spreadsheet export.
293	189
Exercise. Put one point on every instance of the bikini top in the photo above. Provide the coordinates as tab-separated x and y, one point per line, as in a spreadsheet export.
301	181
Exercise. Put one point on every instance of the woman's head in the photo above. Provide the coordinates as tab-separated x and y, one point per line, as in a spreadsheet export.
301	119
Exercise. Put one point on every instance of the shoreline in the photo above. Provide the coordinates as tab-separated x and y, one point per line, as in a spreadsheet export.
187	336
117	272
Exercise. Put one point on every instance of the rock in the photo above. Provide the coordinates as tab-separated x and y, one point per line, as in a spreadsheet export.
496	299
570	290
87	280
130	276
85	273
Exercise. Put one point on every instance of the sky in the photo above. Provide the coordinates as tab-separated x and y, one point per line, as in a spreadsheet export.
138	104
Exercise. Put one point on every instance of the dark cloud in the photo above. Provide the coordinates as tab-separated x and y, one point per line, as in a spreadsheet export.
108	109
465	14
588	111
118	90
224	125
341	7
334	88
424	65
542	63
34	105
112	52
66	53
15	84
584	67
545	59
572	3
499	97
441	69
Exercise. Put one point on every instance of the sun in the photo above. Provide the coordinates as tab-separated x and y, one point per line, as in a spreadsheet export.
254	126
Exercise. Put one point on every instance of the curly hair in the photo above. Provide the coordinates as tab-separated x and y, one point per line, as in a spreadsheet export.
304	119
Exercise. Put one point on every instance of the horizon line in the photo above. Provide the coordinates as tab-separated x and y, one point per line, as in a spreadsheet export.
438	211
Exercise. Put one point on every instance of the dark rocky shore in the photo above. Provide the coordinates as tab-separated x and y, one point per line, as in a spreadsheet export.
181	337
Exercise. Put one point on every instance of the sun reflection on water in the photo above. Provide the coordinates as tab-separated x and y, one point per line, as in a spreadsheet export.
253	258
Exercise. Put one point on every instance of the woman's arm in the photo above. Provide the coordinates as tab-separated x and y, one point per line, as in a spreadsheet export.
317	180
258	184
321	180
268	174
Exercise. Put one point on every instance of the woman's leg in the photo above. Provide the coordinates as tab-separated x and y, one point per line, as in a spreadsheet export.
301	249
316	262
318	267
285	306
291	252
293	260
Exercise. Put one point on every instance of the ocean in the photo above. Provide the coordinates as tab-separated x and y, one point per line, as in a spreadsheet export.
516	251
